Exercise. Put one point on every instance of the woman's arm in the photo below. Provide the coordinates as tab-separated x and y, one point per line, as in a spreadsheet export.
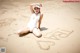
31	8
39	22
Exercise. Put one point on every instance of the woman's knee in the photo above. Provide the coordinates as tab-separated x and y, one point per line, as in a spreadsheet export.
38	35
20	33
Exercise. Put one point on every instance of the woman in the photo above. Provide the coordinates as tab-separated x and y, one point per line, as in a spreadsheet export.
35	21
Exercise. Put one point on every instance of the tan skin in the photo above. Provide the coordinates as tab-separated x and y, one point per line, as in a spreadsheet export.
36	11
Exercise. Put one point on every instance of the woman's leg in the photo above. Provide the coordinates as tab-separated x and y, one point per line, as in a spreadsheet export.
23	31
37	32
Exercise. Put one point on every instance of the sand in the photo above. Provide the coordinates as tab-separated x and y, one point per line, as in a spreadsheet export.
60	27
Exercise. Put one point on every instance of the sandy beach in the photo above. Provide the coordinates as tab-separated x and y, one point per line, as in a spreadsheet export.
60	27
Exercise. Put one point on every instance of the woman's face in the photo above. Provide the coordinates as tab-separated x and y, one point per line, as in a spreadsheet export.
37	10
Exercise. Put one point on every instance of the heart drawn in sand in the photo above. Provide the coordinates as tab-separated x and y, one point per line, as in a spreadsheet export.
45	45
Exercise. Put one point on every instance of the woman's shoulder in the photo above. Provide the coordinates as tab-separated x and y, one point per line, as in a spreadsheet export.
40	14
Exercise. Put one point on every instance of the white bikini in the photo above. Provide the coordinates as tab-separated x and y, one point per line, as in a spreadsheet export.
33	21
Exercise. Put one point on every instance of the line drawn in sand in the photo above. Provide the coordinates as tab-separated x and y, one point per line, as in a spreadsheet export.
4	39
17	35
77	19
53	35
58	33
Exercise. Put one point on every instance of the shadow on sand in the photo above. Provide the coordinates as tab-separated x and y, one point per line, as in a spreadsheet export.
43	28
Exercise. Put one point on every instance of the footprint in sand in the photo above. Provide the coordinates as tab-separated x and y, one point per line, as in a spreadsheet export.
6	21
3	11
77	19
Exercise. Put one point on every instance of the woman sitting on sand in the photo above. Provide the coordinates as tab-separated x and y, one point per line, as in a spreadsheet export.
35	21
